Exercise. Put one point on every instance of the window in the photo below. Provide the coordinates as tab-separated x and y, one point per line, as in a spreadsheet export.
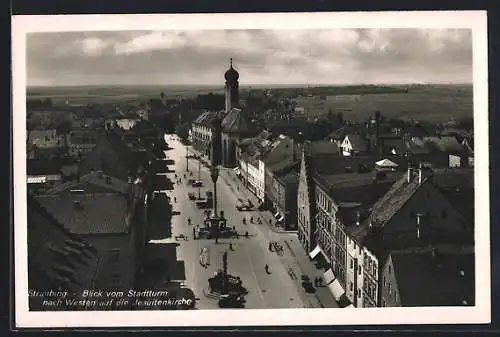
389	270
390	288
354	243
359	293
352	263
384	282
352	286
359	269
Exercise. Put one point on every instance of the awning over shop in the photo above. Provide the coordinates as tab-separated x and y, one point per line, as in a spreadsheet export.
336	289
328	276
36	179
315	252
386	163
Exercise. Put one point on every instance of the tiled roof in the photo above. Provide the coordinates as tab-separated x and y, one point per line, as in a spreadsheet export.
322	147
284	164
395	198
289	178
357	142
89	213
235	122
443	144
327	164
94	182
341	132
46	166
423	281
55	255
206	119
457	186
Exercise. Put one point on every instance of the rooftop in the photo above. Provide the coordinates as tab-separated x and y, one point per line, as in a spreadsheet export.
89	213
235	122
206	119
289	178
357	142
330	163
94	182
422	280
56	256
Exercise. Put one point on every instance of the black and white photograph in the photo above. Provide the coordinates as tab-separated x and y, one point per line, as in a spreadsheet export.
264	169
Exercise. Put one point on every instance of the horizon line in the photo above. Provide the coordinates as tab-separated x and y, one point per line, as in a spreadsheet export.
248	85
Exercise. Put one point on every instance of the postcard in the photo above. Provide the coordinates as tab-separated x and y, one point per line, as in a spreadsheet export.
273	169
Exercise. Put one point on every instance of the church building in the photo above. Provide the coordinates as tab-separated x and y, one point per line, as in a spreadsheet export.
230	126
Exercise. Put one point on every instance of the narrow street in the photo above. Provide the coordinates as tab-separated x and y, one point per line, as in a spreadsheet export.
280	289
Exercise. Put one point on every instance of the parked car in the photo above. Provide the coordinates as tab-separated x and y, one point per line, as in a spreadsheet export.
242	207
197	183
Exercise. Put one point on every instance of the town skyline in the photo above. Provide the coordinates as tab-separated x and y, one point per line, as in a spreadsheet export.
306	57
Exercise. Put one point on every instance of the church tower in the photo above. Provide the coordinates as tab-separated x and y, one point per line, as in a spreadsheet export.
232	87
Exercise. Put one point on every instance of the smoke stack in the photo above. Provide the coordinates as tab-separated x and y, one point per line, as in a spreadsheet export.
409	174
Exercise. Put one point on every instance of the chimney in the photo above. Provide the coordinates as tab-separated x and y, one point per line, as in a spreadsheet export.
419	173
418	225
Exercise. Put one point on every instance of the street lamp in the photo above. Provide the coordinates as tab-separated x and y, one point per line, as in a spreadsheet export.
214	174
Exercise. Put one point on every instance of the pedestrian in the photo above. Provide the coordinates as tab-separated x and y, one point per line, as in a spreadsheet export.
266	268
230	246
234	228
246	235
316	281
194	233
270	246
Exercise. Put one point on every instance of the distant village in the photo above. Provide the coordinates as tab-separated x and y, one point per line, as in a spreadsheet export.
385	206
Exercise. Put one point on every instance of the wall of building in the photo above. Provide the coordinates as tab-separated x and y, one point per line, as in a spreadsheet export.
370	279
117	260
354	272
304	215
389	292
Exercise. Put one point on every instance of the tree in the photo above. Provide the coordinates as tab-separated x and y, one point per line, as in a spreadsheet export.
330	115
340	118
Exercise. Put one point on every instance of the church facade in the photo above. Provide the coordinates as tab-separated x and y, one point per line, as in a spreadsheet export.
230	126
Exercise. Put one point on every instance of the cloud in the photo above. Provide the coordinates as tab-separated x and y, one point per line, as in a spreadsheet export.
334	56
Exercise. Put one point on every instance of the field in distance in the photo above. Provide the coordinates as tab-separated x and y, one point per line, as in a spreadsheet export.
423	102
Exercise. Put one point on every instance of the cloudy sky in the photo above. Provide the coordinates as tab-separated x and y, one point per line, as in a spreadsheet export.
334	56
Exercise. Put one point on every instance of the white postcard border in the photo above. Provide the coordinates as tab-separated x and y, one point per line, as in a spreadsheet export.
475	20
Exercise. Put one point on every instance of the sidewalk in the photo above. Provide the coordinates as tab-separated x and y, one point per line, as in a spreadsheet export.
306	266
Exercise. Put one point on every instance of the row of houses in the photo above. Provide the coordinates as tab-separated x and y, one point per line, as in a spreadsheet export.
363	223
89	229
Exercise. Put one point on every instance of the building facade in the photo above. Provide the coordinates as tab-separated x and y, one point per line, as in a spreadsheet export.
306	216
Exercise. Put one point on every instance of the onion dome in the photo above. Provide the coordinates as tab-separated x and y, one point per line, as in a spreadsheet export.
231	75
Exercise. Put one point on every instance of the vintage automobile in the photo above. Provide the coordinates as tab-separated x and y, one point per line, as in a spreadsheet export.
197	183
